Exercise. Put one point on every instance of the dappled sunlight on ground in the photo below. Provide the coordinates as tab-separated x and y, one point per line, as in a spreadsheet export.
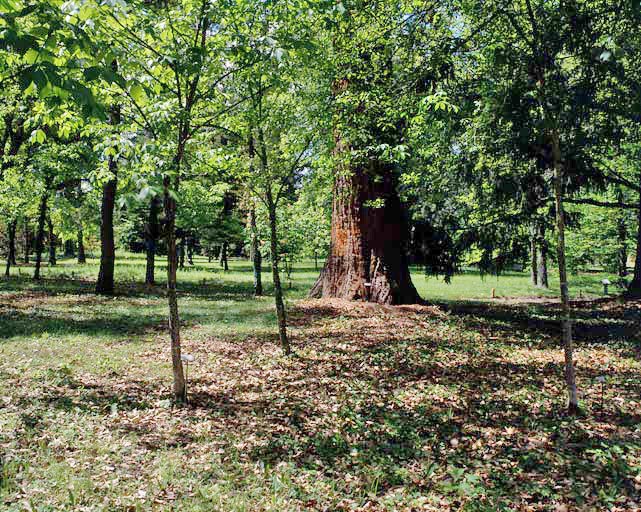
451	406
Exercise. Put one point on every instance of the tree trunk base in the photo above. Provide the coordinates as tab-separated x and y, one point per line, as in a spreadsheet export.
338	279
574	410
368	260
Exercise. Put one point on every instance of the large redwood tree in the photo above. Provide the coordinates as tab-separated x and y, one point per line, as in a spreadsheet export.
373	56
368	251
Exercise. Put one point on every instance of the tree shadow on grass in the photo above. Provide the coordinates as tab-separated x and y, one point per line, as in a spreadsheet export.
380	438
593	321
209	289
43	322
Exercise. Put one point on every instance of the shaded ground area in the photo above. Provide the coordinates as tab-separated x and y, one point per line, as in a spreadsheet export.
597	320
456	406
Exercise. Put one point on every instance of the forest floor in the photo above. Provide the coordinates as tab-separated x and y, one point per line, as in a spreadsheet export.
454	406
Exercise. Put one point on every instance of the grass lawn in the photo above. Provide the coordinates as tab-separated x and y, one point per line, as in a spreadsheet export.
454	406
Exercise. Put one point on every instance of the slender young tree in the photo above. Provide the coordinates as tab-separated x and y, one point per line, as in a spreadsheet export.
152	231
40	233
11	246
52	242
82	257
186	43
105	283
255	254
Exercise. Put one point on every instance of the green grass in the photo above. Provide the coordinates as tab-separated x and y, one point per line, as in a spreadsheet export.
458	407
237	283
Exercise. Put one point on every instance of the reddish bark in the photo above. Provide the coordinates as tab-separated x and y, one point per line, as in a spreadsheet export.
368	253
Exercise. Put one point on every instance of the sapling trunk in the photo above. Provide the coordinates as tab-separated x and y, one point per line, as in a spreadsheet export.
40	235
278	290
256	256
181	254
13	229
622	235
52	244
151	234
622	253
534	274
170	208
190	250
82	257
27	241
223	256
69	251
105	284
11	249
566	322
542	258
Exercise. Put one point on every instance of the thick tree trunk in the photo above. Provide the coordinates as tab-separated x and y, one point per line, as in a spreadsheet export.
534	274
368	253
566	323
255	255
40	235
542	257
170	207
151	233
278	290
105	284
52	244
82	257
11	247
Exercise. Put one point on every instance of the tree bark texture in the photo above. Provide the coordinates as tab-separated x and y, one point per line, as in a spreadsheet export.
223	256
190	250
622	253
181	253
566	322
70	250
27	241
105	284
170	207
278	289
368	256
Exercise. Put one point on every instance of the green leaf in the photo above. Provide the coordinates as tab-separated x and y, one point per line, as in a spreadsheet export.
31	56
137	93
38	136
